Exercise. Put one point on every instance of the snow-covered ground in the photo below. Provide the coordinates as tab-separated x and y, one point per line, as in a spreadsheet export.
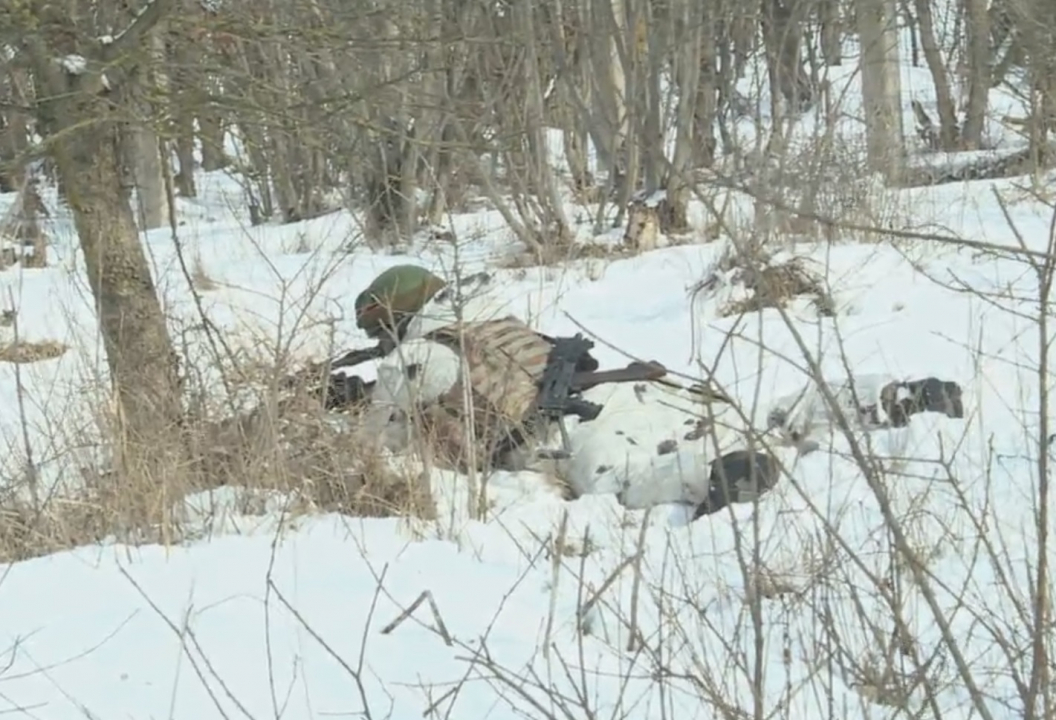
628	614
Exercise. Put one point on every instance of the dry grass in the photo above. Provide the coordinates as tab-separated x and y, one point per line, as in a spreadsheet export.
289	450
27	531
24	351
773	286
770	285
200	277
558	253
301	451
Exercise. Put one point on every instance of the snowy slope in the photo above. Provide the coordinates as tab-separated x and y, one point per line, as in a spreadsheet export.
97	632
628	614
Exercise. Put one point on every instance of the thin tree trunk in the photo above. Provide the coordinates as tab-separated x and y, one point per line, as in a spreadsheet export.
831	32
145	153
182	86
574	126
13	133
211	132
948	130
689	34
31	211
783	36
651	50
541	179
881	86
150	185
978	21
141	357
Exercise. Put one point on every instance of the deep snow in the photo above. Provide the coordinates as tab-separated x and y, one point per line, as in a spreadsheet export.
276	616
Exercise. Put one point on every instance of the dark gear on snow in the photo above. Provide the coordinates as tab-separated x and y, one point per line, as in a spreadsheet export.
570	370
901	400
738	477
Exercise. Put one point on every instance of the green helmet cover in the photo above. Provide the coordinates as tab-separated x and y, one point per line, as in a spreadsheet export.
399	292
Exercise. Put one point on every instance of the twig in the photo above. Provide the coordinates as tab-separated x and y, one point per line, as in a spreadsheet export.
593	599
555	575
441	628
187	641
355	674
212	333
636	583
32	475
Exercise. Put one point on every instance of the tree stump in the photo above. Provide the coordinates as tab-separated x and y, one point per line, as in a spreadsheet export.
643	222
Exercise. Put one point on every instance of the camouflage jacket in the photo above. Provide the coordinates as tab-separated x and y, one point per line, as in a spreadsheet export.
494	399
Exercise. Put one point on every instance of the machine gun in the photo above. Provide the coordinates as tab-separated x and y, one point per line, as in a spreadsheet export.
561	387
343	391
570	371
339	391
362	355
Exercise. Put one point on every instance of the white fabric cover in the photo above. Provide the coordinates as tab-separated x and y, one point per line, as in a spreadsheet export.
418	371
621	450
436	369
806	416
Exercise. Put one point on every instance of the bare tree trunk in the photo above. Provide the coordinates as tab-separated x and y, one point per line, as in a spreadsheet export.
948	130
14	131
783	35
78	113
541	179
150	184
141	357
407	220
447	183
145	153
250	120
629	74
1035	21
211	133
689	39
574	126
608	31
979	72
24	222
881	86
831	32
707	99
182	85
652	42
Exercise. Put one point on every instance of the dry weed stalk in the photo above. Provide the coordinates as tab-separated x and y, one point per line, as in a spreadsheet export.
28	351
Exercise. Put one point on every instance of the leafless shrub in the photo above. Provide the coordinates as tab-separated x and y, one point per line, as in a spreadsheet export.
759	281
295	448
553	254
773	286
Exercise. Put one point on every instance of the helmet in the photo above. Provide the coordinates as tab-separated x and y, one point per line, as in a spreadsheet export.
393	296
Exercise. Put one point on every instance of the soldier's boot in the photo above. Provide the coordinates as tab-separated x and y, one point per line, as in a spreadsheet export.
902	400
738	477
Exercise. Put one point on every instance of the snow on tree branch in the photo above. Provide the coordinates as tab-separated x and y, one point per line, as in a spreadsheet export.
74	64
131	36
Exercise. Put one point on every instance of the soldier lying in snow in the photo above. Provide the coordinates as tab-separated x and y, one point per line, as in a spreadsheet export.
509	397
639	435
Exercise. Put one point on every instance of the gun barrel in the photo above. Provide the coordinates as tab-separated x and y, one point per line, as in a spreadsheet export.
634	372
357	357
